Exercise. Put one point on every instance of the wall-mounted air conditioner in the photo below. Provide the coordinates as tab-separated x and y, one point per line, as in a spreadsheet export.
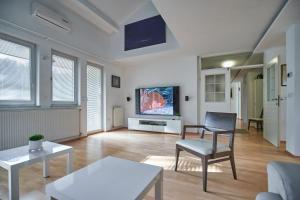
50	17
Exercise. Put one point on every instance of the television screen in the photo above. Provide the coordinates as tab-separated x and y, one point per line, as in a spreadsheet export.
157	101
147	32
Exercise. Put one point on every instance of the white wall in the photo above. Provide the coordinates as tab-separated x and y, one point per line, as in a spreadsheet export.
84	42
175	71
83	36
293	89
269	54
117	40
114	96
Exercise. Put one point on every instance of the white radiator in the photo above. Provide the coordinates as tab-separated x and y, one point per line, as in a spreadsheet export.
118	117
54	124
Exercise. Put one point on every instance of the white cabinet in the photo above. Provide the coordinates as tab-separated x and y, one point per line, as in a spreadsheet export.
155	125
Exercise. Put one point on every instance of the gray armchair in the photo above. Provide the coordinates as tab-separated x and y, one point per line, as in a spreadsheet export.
283	182
216	123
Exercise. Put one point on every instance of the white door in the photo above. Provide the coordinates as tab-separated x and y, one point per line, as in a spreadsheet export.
94	98
215	91
271	102
235	99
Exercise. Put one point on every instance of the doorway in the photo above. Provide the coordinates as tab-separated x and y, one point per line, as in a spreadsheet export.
247	94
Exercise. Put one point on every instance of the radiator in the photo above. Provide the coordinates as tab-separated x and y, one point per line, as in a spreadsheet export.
118	117
54	124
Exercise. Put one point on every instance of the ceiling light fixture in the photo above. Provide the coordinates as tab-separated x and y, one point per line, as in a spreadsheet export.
228	63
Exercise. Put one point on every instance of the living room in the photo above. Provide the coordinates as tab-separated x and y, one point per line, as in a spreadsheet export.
134	99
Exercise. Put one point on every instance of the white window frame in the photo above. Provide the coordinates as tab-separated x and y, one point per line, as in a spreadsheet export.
102	96
214	85
76	70
33	85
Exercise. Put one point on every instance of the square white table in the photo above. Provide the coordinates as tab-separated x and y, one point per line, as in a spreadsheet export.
109	179
13	159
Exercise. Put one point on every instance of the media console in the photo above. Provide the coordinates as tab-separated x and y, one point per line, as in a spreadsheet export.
155	125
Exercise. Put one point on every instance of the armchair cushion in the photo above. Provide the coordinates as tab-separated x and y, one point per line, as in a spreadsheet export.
284	179
268	196
202	146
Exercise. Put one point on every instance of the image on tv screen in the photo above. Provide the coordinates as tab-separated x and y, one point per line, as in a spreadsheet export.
156	101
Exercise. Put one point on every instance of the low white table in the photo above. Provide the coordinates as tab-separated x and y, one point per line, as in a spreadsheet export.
109	179
13	159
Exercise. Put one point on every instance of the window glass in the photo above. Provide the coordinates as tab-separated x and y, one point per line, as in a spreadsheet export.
63	78
15	72
215	88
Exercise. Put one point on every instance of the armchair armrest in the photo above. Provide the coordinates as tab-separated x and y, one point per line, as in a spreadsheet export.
210	129
189	126
218	131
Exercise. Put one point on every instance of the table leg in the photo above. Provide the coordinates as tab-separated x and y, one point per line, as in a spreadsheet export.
70	162
13	183
159	187
45	168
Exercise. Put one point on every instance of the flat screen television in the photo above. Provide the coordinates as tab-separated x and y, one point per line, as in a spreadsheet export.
147	32
157	101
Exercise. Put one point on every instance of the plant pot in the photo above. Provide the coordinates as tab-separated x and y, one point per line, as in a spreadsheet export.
35	145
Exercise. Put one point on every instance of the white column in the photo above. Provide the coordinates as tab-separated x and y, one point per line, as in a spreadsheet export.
293	89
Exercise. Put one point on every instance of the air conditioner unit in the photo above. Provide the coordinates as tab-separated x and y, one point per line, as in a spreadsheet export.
50	17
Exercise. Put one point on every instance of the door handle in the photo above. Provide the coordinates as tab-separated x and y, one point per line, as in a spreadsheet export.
278	100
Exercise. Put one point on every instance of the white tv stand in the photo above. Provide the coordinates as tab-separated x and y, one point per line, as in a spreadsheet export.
155	125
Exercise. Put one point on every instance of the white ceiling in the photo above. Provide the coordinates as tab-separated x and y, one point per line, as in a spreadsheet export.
201	27
118	10
107	15
206	27
275	36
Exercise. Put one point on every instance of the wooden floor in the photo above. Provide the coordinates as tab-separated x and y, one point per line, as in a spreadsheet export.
252	155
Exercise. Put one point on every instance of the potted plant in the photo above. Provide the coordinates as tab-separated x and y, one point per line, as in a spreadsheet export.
36	142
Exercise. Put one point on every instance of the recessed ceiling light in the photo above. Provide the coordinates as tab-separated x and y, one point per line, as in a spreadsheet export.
228	63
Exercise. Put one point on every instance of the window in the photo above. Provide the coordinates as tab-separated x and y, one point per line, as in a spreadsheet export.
64	78
17	71
94	97
271	91
215	88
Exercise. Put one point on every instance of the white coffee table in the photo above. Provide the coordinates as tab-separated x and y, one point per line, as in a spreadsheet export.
109	179
13	159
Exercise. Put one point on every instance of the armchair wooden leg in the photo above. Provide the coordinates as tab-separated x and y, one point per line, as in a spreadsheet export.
233	166
249	124
202	134
204	171
177	156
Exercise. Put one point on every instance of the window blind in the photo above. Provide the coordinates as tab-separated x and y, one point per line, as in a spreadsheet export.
94	96
15	72
63	78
